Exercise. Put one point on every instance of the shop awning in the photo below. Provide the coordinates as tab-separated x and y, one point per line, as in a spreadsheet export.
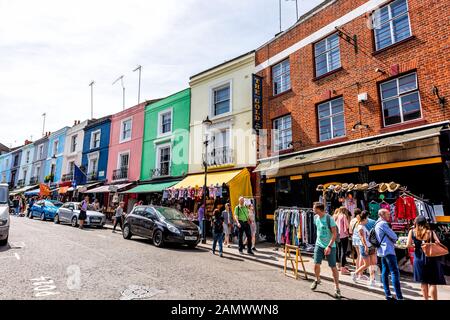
107	189
63	190
33	192
332	153
237	180
153	187
21	190
84	186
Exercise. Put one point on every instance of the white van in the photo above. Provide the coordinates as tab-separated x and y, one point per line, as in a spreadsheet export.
4	214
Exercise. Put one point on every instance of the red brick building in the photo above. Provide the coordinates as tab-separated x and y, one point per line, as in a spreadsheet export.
353	89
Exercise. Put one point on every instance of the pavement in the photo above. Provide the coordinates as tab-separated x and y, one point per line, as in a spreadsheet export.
45	261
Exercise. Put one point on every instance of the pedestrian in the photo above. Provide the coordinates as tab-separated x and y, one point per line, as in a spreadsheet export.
428	271
16	203
200	215
325	246
227	226
386	251
217	232
356	242
342	219
31	201
252	221
84	207
118	216
241	217
97	206
366	250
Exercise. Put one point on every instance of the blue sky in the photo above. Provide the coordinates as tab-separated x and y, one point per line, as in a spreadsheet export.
50	51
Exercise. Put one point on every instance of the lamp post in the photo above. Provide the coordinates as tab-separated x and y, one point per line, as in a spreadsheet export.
206	123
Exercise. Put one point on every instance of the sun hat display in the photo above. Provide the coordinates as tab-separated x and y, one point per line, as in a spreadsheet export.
382	187
372	185
364	186
320	187
392	186
344	186
337	189
351	186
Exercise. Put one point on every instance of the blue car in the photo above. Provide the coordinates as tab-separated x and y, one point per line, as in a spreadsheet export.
45	209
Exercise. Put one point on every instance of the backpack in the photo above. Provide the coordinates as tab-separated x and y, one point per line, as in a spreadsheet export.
338	238
373	238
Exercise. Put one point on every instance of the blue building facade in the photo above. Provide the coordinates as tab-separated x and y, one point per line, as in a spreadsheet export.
16	158
54	162
5	167
39	160
95	149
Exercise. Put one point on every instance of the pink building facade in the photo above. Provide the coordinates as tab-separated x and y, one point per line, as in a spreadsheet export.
125	150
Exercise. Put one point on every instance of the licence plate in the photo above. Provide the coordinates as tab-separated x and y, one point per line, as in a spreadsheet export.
95	220
190	238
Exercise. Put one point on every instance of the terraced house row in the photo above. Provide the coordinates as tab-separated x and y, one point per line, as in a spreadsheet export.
355	91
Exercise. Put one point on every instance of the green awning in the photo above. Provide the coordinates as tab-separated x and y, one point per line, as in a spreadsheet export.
153	187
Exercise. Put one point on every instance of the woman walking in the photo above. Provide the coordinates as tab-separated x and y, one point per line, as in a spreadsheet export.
217	232
366	250
342	219
118	216
428	271
227	226
356	242
252	220
84	207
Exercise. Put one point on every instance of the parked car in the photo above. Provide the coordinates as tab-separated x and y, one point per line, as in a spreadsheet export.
162	225
45	209
4	214
69	212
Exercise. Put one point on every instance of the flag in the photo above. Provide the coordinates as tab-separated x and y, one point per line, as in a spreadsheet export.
79	176
44	190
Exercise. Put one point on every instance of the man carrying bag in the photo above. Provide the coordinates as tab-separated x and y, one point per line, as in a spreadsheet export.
242	221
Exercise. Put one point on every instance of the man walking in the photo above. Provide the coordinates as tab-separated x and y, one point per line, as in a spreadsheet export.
325	246
201	215
387	238
118	216
242	221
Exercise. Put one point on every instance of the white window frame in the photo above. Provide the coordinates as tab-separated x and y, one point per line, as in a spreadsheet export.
331	116
41	151
327	53
69	165
283	76
121	140
275	143
212	89
37	171
398	97
55	152
158	154
99	131
119	155
91	157
24	174
27	158
391	25
73	138
160	124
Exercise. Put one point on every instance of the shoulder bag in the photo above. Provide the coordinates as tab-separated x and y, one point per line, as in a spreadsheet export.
433	249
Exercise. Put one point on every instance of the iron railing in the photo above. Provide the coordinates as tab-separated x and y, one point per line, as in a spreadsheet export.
220	156
120	174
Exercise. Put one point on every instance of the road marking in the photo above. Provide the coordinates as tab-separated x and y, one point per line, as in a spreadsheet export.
17	256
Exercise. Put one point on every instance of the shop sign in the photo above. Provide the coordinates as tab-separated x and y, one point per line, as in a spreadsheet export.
257	103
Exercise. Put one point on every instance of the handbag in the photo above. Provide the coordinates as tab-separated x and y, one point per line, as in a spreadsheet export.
433	249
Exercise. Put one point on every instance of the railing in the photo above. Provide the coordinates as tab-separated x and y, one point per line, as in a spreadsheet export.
120	174
92	176
34	180
67	177
21	183
161	172
220	156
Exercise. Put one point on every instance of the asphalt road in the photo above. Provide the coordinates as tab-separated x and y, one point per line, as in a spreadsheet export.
48	261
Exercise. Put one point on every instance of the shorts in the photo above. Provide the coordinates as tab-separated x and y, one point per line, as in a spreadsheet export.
226	230
319	255
363	253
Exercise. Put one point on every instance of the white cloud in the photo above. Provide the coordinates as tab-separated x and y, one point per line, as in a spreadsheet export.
50	50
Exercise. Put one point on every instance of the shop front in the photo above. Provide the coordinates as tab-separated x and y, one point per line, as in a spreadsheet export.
415	159
150	193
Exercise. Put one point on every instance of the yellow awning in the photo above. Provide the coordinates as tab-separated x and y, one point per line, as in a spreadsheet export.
237	180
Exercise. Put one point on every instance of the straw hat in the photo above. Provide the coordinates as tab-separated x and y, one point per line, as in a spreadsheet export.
382	187
351	186
364	186
392	186
320	187
357	187
344	186
337	188
373	185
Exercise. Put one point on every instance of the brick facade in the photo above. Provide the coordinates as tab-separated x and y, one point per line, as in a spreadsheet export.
426	52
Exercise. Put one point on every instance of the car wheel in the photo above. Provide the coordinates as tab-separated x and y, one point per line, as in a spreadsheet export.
4	242
74	222
127	232
43	217
56	219
158	240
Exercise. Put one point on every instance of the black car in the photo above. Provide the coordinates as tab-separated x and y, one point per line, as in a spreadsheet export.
162	225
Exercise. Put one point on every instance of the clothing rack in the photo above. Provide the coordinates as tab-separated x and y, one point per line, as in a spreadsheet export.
295	208
405	191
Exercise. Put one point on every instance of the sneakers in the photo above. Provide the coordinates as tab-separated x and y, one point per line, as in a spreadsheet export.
221	255
363	278
314	284
337	294
344	271
353	275
251	253
372	283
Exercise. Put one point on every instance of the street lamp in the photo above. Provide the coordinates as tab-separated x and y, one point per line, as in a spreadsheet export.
206	123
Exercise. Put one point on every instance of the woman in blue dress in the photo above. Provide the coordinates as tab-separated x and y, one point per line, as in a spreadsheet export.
427	271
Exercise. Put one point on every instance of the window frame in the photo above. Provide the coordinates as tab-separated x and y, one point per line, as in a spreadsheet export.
273	78
41	151
119	157
91	157
274	140
391	29
327	53
160	124
398	96
331	116
122	140
55	143
158	155
93	133
73	143
212	103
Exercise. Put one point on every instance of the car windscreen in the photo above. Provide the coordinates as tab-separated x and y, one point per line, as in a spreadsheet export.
53	204
3	195
170	214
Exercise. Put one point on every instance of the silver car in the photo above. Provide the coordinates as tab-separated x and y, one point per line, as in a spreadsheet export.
69	212
4	214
